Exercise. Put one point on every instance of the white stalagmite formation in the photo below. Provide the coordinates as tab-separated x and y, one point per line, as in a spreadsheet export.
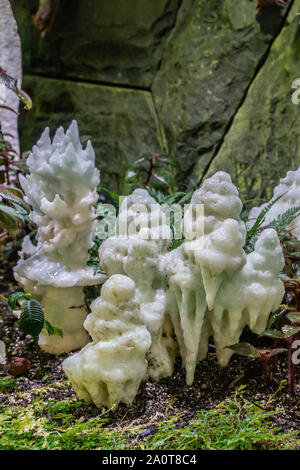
289	189
138	255
110	369
61	189
207	287
198	268
248	297
11	62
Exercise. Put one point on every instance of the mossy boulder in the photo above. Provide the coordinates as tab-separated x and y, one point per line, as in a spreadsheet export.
263	142
207	65
115	41
121	123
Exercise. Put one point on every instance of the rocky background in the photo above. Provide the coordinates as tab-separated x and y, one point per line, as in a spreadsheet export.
206	81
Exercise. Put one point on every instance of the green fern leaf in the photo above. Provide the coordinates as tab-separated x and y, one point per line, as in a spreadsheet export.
32	317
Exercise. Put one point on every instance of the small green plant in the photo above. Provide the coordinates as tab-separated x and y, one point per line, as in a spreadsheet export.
32	319
6	384
283	327
282	224
288	332
234	424
12	84
262	354
155	171
94	256
13	210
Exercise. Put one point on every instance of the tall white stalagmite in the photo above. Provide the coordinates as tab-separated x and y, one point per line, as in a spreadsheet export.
110	369
61	189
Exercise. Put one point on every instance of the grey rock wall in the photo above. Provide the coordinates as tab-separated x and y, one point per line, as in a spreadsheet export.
187	77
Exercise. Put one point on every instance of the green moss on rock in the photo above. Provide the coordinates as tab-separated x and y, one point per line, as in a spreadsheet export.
208	62
117	41
264	140
121	123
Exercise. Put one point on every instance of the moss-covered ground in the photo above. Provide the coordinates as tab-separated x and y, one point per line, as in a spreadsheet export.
226	408
235	423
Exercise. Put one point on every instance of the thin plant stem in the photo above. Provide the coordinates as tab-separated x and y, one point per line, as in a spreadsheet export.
39	353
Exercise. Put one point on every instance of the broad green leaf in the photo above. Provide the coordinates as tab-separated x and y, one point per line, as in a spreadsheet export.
289	330
244	349
52	330
294	317
32	317
8	220
274	334
274	316
10	195
14	298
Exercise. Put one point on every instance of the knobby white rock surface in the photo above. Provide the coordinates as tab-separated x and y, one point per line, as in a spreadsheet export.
139	256
11	62
110	369
207	287
61	189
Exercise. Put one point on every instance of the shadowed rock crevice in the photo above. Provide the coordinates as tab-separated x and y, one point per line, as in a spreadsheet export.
263	141
121	122
257	70
116	41
207	65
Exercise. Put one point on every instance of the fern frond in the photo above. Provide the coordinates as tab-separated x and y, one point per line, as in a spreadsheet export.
282	222
260	220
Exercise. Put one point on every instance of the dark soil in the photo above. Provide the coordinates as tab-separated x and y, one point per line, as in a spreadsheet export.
212	383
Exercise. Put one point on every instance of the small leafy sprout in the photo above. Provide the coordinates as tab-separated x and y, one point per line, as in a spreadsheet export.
52	330
252	233
12	84
94	257
114	197
32	319
155	171
262	354
282	224
13	209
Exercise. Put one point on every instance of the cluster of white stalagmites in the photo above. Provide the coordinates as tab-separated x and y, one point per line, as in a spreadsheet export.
197	269
218	289
110	369
289	190
207	287
143	236
61	189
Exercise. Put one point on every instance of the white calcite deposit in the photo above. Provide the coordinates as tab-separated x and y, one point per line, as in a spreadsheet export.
110	369
207	287
289	189
139	256
61	189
